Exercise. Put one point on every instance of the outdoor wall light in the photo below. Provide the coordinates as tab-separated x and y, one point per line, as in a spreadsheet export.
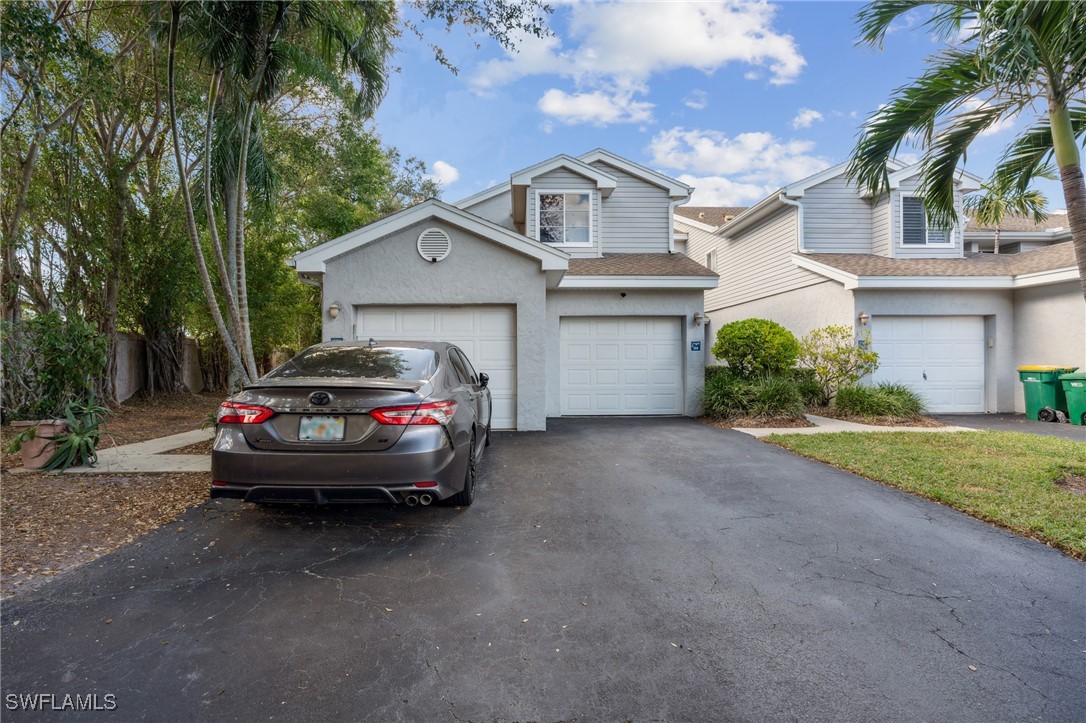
699	318
333	310
864	318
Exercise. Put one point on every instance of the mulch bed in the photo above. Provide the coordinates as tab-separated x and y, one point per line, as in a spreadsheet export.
757	422
1073	483
198	448
51	523
877	421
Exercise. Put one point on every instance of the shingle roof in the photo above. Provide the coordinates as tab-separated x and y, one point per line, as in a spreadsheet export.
710	215
1022	223
638	265
1057	256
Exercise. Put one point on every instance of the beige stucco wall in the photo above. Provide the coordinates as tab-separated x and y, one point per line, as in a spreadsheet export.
611	302
390	272
1049	328
799	311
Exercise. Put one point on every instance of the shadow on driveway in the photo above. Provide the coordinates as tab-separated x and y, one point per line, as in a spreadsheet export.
1014	423
609	570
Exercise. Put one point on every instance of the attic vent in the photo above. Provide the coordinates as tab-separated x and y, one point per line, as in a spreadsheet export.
434	244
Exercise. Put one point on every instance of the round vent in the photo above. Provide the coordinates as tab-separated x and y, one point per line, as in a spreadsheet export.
434	244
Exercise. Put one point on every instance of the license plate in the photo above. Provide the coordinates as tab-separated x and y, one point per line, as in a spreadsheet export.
321	429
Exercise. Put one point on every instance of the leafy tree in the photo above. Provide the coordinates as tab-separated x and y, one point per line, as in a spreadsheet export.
1016	54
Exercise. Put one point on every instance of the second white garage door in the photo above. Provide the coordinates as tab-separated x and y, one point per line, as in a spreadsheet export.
487	334
940	357
621	365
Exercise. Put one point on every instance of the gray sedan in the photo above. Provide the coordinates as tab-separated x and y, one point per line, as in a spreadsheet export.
398	422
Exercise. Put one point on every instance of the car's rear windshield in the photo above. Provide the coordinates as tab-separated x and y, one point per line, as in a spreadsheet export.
359	362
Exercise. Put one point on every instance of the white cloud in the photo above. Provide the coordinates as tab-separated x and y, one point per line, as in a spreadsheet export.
598	107
805	117
733	170
612	47
444	173
698	99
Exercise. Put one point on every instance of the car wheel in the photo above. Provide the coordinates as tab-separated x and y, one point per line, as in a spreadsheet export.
466	496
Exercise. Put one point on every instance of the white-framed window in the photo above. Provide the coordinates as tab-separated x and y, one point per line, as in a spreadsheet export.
915	230
710	260
564	217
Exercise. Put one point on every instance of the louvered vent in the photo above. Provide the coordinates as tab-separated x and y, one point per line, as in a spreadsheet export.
434	244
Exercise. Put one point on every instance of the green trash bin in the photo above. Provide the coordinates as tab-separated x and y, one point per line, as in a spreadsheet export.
1043	391
1074	391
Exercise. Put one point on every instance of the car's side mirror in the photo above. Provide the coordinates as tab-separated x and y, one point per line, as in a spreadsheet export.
484	379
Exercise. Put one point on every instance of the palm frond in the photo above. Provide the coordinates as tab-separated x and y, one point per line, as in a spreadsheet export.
1030	155
945	18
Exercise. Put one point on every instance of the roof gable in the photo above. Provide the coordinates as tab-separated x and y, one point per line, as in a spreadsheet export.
605	182
675	189
313	260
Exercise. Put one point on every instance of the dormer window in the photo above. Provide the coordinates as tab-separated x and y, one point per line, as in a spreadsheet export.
915	230
565	219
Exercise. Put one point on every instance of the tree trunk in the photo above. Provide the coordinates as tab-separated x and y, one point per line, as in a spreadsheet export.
1069	162
190	217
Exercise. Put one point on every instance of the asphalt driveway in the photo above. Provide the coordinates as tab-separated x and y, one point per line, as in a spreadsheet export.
1015	423
610	570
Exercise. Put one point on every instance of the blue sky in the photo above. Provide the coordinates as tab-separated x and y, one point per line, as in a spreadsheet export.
735	99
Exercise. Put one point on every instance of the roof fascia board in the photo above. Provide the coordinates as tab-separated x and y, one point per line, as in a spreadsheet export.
842	277
314	259
605	182
484	195
797	189
756	213
638	282
694	224
675	189
1040	278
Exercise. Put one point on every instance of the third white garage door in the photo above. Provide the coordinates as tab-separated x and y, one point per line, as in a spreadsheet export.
941	357
621	365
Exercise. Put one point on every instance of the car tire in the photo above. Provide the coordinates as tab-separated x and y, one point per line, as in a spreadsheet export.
466	496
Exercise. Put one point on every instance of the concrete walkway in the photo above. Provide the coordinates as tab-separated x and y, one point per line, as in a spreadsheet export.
152	456
826	425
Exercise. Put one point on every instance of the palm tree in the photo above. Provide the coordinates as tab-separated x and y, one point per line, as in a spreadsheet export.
992	206
256	52
1008	55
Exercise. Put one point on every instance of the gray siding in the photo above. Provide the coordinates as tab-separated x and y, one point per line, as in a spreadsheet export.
880	227
836	219
698	244
498	209
758	263
636	218
561	179
909	187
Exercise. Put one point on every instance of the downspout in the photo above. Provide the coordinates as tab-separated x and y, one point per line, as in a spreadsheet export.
799	219
671	224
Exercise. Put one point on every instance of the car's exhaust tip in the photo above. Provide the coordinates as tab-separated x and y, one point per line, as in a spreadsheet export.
425	499
411	500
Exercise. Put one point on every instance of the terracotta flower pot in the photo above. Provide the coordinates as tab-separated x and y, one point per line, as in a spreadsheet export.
36	452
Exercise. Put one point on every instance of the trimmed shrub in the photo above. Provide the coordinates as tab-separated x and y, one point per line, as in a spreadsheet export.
836	358
729	395
884	400
756	347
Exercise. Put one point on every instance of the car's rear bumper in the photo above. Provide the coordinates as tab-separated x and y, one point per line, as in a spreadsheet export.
422	455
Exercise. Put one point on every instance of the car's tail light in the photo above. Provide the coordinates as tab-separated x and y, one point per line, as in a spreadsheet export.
431	413
237	413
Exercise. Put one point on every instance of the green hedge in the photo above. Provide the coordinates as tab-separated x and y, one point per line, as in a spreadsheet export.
883	400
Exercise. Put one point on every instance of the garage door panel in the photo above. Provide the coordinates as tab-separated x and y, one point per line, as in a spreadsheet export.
487	334
634	365
939	357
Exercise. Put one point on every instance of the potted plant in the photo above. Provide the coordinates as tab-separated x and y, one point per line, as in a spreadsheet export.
36	440
77	444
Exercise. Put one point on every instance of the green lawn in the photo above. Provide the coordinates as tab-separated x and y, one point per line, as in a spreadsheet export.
1005	478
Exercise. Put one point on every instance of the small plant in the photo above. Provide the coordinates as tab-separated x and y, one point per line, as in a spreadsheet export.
756	347
836	358
895	401
17	442
728	396
78	445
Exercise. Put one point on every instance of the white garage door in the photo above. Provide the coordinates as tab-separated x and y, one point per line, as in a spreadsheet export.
621	365
941	357
487	334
